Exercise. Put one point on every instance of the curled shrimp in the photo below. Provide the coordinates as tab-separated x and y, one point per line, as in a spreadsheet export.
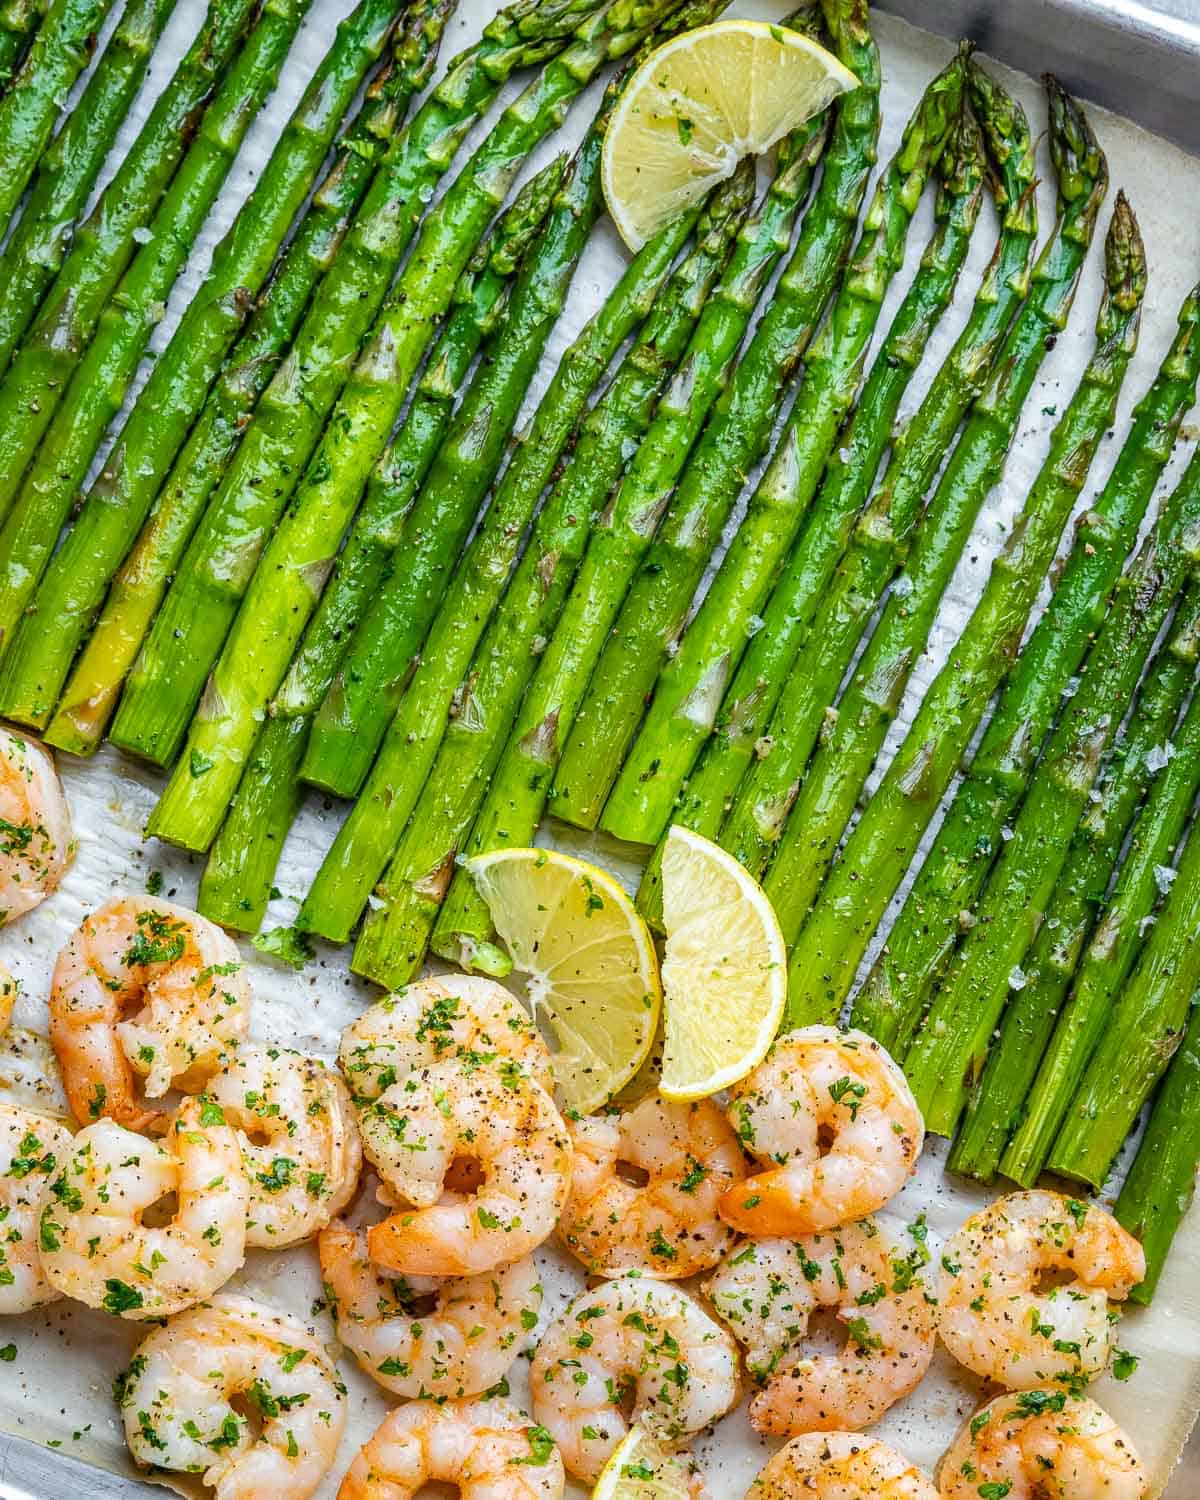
453	1018
184	977
632	1349
177	1401
996	1321
820	1084
451	1337
95	1243
299	1140
36	844
435	1122
667	1225
488	1449
31	1146
1041	1442
840	1466
871	1275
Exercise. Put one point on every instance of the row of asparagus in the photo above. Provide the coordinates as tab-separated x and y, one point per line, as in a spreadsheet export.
270	585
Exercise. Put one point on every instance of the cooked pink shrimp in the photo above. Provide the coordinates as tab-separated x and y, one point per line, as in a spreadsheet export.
451	1337
31	1147
841	1466
36	844
871	1274
424	1127
820	1083
993	1317
668	1224
489	1450
184	977
1041	1444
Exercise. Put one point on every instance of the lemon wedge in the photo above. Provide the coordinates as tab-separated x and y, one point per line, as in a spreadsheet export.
698	105
589	961
724	972
639	1469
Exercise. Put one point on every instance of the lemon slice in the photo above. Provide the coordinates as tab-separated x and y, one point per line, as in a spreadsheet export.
639	1469
698	105
590	967
725	969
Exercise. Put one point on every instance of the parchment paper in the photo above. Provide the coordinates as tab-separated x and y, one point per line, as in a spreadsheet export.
57	1387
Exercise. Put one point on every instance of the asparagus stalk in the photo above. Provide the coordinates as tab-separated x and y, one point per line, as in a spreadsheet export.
655	609
525	614
1162	1181
69	167
19	20
996	1101
394	938
952	1044
196	615
954	871
237	879
281	597
56	340
91	694
28	110
741	725
97	388
354	717
70	594
1144	1030
1110	953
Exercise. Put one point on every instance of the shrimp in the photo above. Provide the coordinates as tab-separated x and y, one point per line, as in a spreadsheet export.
177	1401
185	976
668	1225
31	1146
36	843
299	1140
429	1125
633	1349
489	1450
841	1466
767	1291
996	1321
1041	1444
95	1243
429	1338
819	1083
454	1018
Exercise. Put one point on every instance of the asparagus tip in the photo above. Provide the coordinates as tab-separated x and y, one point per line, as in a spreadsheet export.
1080	163
1006	131
1125	256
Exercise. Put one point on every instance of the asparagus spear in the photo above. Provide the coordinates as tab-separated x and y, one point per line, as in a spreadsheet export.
525	613
69	167
394	938
28	110
706	796
954	870
97	388
73	589
59	334
196	615
237	879
19	20
655	609
1162	1180
91	694
283	593
951	1046
1144	1030
805	849
357	710
1110	954
996	1101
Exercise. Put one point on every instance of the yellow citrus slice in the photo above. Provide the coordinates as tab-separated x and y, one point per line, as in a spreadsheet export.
724	972
639	1469
698	105
589	961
